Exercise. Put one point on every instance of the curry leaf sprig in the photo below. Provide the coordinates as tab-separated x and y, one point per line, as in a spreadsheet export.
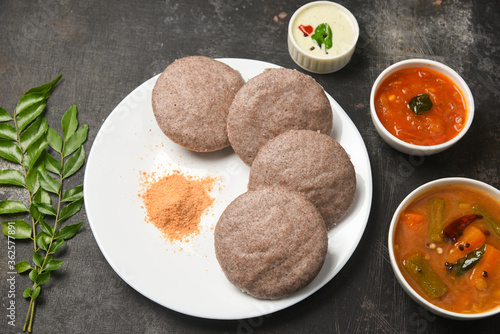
44	160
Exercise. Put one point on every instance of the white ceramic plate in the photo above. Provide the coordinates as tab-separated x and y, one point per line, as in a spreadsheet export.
186	277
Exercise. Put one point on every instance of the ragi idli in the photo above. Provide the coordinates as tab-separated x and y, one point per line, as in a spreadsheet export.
191	101
311	163
274	102
271	242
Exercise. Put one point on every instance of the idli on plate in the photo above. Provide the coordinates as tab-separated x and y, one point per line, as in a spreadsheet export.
191	101
313	164
270	242
274	102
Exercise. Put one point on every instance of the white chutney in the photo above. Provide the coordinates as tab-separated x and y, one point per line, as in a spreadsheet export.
306	51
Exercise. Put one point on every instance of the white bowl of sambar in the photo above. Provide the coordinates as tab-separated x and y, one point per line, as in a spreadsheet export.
444	247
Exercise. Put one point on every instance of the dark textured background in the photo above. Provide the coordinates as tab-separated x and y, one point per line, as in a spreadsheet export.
105	49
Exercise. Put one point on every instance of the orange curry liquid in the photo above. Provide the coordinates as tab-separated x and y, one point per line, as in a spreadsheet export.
436	126
469	292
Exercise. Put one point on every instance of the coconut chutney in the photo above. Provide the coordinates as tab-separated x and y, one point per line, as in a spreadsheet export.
324	29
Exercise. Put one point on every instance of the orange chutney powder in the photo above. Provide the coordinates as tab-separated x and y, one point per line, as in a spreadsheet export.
440	124
176	202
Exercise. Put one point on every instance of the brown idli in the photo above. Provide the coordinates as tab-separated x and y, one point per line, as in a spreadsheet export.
273	102
311	163
191	100
270	243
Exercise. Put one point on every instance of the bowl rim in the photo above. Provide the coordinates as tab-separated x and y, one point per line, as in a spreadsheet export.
329	58
419	191
436	66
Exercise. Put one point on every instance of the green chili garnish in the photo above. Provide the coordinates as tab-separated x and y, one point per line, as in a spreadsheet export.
323	35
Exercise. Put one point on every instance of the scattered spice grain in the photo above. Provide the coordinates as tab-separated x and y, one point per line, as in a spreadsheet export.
176	202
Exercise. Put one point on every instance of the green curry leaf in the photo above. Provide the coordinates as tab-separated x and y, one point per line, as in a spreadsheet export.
27	140
10	151
7	131
12	177
69	122
35	131
36	96
470	260
17	229
22	266
8	207
420	103
4	115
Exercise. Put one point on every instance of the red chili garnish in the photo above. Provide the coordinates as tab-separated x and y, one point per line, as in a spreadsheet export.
307	30
455	229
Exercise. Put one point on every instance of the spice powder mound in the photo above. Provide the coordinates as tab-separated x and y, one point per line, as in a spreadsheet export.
175	203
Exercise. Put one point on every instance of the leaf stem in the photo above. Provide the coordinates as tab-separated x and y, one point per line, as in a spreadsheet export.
59	196
31	307
32	314
27	314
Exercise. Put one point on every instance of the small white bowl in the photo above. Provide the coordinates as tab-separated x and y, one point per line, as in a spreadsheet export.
409	199
413	149
317	64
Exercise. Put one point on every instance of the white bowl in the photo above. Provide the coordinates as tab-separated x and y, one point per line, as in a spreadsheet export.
413	149
317	64
402	281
